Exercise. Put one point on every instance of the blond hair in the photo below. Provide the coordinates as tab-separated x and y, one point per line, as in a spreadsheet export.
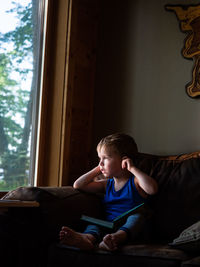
122	143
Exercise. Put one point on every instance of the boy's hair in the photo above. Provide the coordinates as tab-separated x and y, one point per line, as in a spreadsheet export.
123	144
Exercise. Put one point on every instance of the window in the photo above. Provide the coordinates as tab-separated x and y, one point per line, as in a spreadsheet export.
22	24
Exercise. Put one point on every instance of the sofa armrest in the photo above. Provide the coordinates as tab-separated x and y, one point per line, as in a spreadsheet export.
59	205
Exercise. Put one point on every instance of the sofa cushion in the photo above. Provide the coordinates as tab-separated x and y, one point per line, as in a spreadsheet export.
153	251
189	239
130	255
191	263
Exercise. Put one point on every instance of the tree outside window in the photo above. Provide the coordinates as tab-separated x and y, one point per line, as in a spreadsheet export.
20	68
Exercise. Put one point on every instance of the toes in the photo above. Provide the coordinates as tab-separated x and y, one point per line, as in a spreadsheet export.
110	242
62	235
65	228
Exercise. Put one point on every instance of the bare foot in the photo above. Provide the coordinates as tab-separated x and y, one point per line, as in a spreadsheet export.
112	242
79	240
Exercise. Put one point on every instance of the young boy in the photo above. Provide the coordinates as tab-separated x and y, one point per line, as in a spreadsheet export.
125	186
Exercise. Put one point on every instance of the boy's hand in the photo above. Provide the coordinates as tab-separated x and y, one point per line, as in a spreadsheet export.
127	163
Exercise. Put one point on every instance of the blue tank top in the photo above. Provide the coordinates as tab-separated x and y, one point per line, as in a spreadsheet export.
117	202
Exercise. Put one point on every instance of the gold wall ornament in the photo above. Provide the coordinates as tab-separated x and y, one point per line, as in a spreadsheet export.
189	18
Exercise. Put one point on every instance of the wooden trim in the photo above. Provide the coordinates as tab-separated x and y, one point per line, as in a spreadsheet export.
13	203
53	92
67	97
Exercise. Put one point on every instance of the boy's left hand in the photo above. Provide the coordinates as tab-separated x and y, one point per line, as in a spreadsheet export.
127	163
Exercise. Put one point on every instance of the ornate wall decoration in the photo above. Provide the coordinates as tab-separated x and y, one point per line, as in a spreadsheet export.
189	18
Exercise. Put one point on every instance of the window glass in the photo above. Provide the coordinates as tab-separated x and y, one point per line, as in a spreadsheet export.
21	50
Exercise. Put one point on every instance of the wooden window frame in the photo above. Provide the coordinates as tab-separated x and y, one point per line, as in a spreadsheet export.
53	96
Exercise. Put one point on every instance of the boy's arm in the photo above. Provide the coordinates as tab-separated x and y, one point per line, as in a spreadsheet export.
144	181
88	182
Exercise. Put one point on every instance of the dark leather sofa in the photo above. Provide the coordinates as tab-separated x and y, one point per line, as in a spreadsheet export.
31	234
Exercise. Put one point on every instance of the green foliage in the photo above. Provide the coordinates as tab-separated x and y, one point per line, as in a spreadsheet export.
15	108
22	36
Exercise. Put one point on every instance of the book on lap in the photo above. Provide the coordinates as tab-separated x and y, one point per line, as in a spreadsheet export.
119	220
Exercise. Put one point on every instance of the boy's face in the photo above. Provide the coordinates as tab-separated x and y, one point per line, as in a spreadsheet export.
110	162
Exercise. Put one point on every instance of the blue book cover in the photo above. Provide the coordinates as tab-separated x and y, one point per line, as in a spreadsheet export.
119	220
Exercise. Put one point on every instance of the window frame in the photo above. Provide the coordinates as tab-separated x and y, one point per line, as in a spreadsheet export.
54	94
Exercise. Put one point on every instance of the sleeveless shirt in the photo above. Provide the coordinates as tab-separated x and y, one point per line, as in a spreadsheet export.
117	202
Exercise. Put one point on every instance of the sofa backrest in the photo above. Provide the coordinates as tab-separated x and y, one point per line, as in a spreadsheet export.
176	205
